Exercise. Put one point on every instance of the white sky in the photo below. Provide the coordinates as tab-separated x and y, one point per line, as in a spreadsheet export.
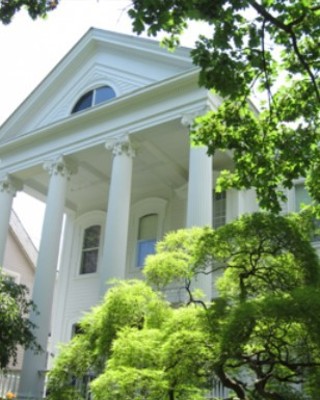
30	49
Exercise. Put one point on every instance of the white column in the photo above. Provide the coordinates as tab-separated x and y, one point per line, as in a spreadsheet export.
199	206
8	189
117	223
199	209
34	365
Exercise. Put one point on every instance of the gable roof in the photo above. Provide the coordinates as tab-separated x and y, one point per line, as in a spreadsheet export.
125	62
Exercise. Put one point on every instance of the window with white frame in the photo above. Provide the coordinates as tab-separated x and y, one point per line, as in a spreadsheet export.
219	209
146	228
90	249
94	97
147	237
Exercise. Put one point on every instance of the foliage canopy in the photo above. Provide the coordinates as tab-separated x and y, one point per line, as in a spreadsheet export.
35	8
270	45
16	329
259	336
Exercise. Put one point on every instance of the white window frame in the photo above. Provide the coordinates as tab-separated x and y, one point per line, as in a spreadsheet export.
81	224
86	250
214	200
144	207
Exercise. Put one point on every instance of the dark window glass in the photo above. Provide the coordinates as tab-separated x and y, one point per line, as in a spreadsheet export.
92	237
84	102
90	250
89	261
104	93
94	97
219	209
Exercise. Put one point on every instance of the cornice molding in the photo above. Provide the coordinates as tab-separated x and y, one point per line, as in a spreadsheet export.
188	118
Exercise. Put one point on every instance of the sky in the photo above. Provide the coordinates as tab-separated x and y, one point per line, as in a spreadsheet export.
30	49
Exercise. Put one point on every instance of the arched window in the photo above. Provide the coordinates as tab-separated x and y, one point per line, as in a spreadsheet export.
94	97
90	249
147	237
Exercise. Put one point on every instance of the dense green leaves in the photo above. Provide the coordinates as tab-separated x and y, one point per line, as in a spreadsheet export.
271	46
16	330
35	8
259	338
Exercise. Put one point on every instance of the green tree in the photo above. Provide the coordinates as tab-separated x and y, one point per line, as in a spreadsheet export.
259	337
35	8
16	329
271	45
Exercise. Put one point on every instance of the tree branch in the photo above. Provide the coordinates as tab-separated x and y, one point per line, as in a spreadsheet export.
304	63
269	17
229	383
288	28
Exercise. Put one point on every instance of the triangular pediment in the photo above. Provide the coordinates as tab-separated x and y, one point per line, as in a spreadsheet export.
126	63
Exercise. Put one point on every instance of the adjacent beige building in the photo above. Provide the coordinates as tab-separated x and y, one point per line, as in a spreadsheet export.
19	260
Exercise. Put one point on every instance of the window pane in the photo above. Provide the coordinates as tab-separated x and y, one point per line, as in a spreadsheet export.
90	249
148	226
145	248
103	93
91	237
89	261
219	209
84	102
301	197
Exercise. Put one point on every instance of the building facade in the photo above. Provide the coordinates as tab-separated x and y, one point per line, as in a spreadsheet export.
104	141
19	263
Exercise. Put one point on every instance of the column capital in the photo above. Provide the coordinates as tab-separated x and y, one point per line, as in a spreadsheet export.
187	119
60	166
120	146
10	184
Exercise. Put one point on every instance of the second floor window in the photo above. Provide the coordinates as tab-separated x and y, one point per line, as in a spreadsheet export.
90	249
219	209
147	237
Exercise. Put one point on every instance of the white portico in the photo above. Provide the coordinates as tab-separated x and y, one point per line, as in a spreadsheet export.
101	141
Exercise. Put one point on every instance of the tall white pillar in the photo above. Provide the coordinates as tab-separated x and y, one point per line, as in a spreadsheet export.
34	365
199	206
117	223
8	189
199	209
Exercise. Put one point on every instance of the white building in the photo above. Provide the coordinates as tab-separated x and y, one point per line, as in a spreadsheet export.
104	140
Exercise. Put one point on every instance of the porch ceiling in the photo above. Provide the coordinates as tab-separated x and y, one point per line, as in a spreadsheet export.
159	167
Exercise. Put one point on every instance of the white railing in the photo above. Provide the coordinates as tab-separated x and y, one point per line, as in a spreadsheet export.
218	391
9	381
